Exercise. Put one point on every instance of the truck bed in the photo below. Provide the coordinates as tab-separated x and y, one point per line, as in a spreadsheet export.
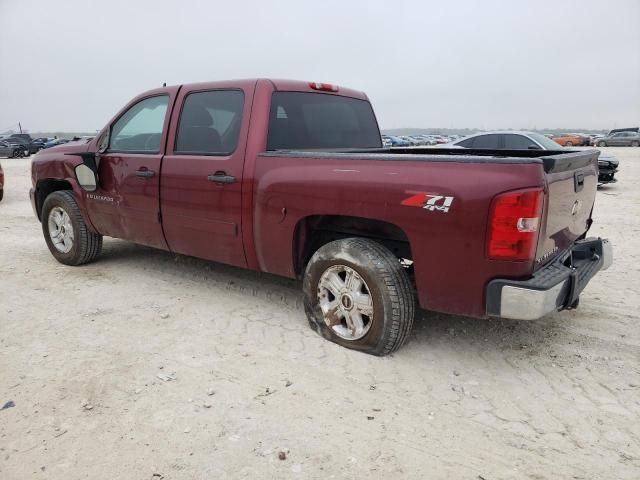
552	160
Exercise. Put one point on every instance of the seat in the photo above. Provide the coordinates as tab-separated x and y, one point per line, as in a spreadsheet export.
196	132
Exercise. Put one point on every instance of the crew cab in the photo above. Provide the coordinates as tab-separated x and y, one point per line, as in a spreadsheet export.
291	178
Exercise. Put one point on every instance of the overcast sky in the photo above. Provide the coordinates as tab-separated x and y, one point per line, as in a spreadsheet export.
70	65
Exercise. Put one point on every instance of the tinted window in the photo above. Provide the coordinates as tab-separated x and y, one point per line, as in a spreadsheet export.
519	142
314	120
546	142
140	128
487	141
466	143
210	122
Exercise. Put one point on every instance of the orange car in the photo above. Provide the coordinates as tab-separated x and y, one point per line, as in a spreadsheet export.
569	140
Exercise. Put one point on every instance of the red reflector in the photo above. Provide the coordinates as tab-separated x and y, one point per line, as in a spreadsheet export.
513	225
325	87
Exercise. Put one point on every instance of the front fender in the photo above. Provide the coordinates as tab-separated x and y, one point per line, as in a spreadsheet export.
52	171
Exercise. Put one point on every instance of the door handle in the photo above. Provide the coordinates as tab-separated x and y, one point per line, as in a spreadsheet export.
143	172
221	178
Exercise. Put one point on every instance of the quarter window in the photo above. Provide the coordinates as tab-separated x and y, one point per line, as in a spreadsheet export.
210	123
487	141
519	142
139	129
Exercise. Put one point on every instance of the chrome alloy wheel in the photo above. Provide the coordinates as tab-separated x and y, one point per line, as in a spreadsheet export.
346	302
60	230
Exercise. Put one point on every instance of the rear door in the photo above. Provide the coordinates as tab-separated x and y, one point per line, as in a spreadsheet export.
618	139
126	203
202	173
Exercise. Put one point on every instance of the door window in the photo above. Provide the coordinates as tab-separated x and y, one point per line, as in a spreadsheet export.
210	123
139	129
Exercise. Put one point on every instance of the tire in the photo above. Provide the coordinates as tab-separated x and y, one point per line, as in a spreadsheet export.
601	144
82	246
377	276
568	144
1	194
635	144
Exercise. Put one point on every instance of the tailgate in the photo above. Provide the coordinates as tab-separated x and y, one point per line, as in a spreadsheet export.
572	180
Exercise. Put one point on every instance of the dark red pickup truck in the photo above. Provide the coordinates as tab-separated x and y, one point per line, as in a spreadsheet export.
291	178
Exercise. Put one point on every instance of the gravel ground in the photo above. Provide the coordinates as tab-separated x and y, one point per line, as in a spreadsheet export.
147	365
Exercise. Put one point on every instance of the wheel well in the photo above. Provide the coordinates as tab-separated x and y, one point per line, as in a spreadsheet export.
46	187
313	232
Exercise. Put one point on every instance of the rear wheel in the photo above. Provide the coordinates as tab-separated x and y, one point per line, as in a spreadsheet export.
635	143
358	295
568	144
69	239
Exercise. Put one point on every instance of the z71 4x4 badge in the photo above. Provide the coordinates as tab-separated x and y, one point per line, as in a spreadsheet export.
429	201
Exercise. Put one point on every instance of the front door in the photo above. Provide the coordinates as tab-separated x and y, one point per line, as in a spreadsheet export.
201	179
126	203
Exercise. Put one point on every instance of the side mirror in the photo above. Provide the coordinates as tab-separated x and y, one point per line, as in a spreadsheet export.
87	179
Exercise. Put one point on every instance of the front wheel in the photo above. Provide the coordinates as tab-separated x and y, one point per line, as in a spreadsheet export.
635	143
358	295
602	144
69	239
568	144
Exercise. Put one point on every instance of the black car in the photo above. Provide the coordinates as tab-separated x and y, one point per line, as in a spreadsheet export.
607	168
11	150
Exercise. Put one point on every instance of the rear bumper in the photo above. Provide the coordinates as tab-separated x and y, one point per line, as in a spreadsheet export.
554	287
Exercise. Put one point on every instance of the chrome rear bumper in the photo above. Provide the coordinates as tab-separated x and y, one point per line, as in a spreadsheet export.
555	287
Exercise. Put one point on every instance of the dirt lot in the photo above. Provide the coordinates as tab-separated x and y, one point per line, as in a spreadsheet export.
146	365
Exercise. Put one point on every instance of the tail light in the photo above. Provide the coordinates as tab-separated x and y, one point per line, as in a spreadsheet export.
513	225
323	87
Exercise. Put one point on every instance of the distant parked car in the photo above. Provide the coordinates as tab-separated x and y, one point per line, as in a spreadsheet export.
620	139
398	141
40	142
386	141
11	150
628	129
569	140
607	168
26	141
511	140
56	141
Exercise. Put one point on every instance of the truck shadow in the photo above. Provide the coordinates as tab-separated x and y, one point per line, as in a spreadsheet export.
430	329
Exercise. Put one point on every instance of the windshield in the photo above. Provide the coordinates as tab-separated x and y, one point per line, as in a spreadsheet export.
546	142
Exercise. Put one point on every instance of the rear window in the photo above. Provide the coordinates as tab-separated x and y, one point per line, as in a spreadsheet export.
301	120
